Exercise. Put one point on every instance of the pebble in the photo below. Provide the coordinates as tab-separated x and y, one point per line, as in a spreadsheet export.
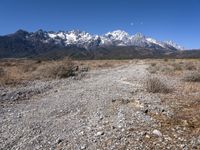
101	117
3	94
82	133
100	133
59	141
146	111
147	136
157	132
113	100
83	147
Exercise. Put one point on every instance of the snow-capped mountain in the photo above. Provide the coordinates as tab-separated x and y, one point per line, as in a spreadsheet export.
173	44
122	38
74	42
89	41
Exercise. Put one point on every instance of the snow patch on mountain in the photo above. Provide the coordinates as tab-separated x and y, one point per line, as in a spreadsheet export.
155	42
89	41
175	45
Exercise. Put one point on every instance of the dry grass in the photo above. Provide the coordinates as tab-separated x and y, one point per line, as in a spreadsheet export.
17	71
101	64
185	104
56	69
13	72
155	85
173	67
184	101
192	76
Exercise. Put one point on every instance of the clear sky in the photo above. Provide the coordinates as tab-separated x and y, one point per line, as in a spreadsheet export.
177	20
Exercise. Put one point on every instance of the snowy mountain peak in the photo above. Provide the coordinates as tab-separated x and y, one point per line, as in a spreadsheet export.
139	35
117	35
173	44
89	41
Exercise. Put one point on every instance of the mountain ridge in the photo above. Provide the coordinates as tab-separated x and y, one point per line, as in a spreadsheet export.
78	37
27	44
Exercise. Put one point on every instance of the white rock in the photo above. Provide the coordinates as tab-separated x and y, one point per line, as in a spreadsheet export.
99	133
83	147
157	132
82	133
147	136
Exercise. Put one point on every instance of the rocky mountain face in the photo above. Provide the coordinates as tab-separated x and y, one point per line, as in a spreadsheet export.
23	43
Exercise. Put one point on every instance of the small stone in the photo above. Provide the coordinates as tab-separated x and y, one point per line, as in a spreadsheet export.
113	127
3	94
19	116
113	100
157	132
100	133
185	122
82	133
146	111
147	136
101	117
105	122
59	141
125	101
83	147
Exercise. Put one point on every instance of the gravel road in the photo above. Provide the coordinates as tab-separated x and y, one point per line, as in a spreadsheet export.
104	110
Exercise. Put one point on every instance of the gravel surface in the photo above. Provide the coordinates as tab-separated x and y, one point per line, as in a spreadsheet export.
107	109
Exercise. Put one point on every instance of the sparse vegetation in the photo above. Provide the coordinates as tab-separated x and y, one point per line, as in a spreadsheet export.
56	69
176	113
190	66
17	71
155	85
192	76
173	67
2	72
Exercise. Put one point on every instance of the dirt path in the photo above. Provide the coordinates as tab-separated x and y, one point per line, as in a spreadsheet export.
105	110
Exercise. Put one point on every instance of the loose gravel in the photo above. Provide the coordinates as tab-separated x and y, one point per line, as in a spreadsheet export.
107	109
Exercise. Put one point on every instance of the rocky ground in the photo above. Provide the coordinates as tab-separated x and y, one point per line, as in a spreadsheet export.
106	109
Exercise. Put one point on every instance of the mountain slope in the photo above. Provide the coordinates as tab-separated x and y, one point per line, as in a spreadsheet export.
31	44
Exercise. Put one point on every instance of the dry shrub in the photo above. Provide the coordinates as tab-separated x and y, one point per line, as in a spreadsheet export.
153	64
192	76
177	66
29	67
155	85
190	66
166	59
2	72
10	76
56	69
18	71
152	70
166	69
190	87
163	68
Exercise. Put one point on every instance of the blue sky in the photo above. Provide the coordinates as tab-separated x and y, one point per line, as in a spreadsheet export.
177	20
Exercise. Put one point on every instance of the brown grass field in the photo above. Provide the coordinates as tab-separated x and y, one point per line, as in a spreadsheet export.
17	71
